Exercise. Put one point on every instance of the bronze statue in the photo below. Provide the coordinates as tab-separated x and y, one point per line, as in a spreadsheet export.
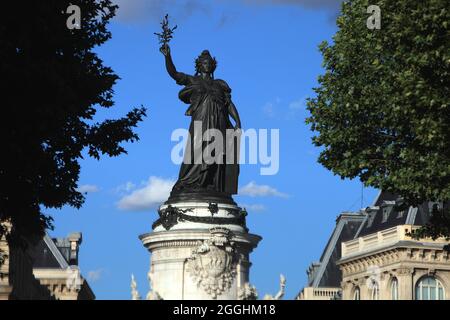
211	106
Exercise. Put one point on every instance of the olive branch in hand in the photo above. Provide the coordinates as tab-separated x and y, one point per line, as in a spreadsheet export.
166	35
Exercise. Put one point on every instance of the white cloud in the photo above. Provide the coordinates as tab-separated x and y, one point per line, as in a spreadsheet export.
138	11
253	207
154	192
269	110
296	107
126	187
254	190
313	4
279	110
132	11
94	275
88	188
299	104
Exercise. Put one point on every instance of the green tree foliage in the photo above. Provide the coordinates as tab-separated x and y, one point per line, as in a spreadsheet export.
53	85
381	110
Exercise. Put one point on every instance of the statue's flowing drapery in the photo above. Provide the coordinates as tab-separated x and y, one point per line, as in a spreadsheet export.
209	100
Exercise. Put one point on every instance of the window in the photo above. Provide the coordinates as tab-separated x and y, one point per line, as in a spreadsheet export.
434	206
385	215
357	294
386	212
394	289
370	219
429	288
375	291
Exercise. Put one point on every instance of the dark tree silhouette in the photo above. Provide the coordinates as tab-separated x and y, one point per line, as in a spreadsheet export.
53	84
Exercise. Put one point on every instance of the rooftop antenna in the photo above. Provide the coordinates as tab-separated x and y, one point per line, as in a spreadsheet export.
362	194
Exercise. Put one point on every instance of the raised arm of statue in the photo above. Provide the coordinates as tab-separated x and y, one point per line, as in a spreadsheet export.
179	77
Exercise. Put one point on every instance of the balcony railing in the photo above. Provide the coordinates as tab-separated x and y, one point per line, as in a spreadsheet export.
310	293
381	239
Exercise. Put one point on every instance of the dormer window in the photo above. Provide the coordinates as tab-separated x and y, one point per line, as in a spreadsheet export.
385	214
387	209
371	213
434	206
370	219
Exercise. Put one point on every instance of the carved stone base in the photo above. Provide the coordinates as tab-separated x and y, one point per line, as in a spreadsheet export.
199	251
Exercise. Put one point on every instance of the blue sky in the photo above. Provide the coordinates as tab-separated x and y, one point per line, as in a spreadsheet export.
267	52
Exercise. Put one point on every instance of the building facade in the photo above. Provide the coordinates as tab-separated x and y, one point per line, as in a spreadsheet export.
324	276
381	261
46	271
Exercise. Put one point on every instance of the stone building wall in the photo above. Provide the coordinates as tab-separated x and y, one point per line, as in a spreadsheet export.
16	275
376	271
54	279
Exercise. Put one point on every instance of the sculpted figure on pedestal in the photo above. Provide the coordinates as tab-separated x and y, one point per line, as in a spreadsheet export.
280	293
210	166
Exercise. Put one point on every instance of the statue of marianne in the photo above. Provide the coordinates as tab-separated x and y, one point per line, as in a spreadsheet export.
211	105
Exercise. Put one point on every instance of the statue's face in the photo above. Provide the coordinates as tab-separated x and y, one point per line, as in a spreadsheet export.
206	66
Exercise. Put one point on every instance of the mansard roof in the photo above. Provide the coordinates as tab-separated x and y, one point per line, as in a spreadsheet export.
326	273
47	255
382	214
385	213
56	252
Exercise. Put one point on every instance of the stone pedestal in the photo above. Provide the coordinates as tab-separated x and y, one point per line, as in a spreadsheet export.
199	250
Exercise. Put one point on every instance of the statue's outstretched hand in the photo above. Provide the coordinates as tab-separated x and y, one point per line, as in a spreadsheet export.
165	50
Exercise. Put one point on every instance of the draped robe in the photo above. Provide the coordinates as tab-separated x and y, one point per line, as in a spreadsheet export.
209	101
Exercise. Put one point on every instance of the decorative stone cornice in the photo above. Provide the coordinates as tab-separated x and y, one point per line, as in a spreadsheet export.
405	271
394	255
175	244
190	238
431	272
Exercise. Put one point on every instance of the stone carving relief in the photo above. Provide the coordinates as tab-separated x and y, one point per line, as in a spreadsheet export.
405	271
280	293
152	294
247	292
134	292
212	264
